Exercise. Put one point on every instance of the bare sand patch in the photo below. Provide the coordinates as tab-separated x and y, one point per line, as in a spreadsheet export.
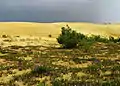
53	29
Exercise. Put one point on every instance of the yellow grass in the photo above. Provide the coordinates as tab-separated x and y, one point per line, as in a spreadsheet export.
10	77
44	29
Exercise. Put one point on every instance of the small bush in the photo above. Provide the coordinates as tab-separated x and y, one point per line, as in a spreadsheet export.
17	36
41	69
50	35
94	68
97	38
57	83
7	40
41	84
5	36
68	38
71	39
112	39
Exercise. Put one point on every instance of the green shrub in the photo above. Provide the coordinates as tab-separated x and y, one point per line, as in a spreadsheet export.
97	38
112	39
94	68
81	36
71	39
41	69
57	83
68	38
41	84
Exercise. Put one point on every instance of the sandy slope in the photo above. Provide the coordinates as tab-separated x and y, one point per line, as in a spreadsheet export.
44	29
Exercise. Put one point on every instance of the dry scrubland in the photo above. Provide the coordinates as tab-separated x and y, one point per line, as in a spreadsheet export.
24	46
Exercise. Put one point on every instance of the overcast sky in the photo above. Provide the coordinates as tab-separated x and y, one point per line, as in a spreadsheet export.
60	10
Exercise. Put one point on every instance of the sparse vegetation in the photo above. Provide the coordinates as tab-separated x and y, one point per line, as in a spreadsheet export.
58	67
41	69
71	39
91	61
5	36
50	35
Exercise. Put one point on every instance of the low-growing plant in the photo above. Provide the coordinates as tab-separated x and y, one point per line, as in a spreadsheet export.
79	61
50	35
68	38
41	69
116	67
41	84
57	83
85	44
5	36
94	68
71	39
115	40
17	36
7	40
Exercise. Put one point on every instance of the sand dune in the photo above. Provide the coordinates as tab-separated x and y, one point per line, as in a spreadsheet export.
44	29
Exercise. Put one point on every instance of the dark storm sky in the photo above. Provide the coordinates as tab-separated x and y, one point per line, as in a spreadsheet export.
59	10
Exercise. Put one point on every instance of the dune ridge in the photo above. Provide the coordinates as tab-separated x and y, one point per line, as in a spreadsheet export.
44	29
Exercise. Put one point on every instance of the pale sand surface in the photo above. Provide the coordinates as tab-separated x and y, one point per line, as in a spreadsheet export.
44	29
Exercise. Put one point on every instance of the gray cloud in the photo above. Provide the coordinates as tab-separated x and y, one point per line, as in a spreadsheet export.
109	10
59	10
